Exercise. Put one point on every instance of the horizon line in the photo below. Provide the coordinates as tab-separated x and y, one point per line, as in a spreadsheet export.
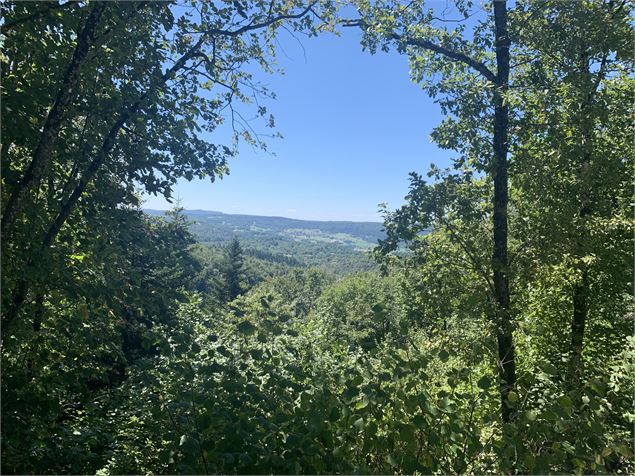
262	216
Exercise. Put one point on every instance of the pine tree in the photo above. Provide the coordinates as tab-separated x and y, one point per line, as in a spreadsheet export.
233	272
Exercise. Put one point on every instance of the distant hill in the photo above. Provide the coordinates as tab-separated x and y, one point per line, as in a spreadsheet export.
212	226
339	246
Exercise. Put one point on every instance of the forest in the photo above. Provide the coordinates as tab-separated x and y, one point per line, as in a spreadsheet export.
489	332
338	247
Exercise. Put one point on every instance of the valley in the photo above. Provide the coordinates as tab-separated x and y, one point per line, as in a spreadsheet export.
338	247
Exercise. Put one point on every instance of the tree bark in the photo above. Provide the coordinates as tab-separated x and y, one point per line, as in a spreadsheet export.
42	155
500	262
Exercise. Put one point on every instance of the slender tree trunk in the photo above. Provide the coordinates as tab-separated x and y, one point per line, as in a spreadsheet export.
500	263
581	293
498	170
9	314
43	152
22	289
580	313
4	151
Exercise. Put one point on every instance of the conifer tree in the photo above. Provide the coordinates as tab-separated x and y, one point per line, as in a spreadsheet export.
233	272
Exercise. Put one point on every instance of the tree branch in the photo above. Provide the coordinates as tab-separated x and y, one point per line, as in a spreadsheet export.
256	26
42	155
455	55
430	46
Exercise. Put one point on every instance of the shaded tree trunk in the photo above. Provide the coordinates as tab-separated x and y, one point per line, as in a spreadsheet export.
500	261
501	314
578	323
581	291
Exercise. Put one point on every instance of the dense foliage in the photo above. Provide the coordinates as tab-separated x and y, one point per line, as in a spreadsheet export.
493	336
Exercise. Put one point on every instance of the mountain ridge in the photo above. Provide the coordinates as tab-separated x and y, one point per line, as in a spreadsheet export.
199	211
342	246
217	226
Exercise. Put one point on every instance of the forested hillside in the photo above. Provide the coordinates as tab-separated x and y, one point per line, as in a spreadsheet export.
338	247
491	333
217	227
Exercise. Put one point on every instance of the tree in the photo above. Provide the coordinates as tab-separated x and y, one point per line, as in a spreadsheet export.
131	103
42	154
469	74
361	310
573	140
571	246
233	272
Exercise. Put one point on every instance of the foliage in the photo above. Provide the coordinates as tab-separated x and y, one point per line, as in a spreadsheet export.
83	338
138	344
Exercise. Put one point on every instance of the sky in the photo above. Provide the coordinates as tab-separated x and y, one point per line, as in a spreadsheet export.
353	127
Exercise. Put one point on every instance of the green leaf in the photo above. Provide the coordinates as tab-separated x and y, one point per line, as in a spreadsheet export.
256	354
204	421
625	451
484	382
531	415
377	308
246	327
359	423
407	434
566	403
418	421
548	368
284	317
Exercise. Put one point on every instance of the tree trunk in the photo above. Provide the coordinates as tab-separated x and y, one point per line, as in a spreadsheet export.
43	152
580	312
581	293
500	264
22	289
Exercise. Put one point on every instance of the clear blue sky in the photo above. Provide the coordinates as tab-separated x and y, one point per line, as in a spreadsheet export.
354	126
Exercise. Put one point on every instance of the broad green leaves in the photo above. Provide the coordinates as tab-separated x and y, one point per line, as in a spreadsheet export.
118	368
